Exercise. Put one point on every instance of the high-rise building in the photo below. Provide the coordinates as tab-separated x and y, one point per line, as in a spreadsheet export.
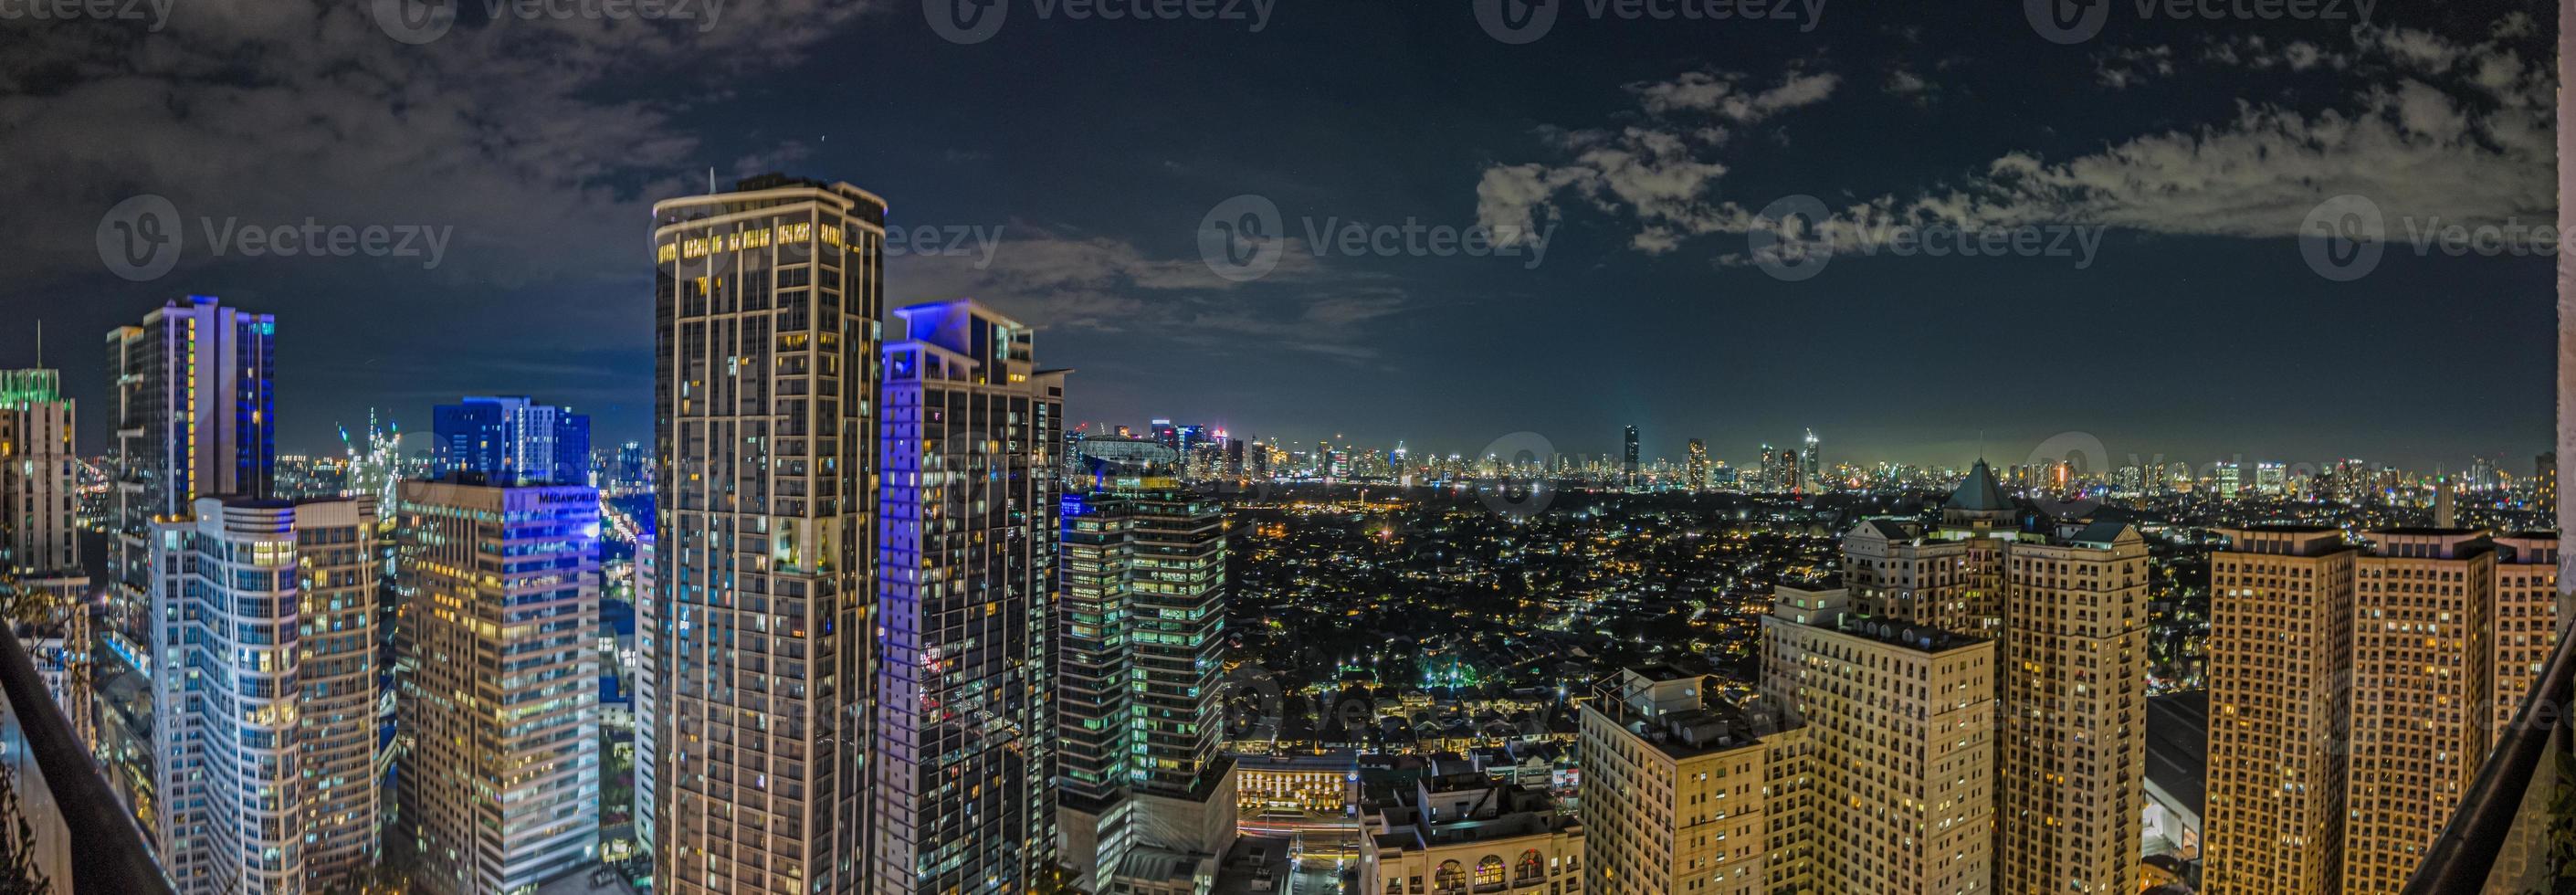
196	416
1810	464
500	784
2280	646
2227	479
1678	788
264	695
1628	463
648	696
1466	831
2421	696
768	300
965	722
511	440
1900	729
2271	479
1695	466
2066	610
1142	790
39	486
2525	615
2544	473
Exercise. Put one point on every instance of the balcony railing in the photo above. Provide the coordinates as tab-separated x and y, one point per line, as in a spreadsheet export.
62	797
2515	831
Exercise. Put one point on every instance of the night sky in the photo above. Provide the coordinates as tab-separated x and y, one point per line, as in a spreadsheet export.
1087	154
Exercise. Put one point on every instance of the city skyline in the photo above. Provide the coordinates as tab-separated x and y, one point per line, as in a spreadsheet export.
1644	166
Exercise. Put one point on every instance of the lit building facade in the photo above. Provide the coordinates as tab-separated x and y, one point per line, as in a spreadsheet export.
1900	724
1677	788
1469	832
39	484
2420	698
1139	653
501	783
767	300
962	751
512	440
264	696
2280	646
195	417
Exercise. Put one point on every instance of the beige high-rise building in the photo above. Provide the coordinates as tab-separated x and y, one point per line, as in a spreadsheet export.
2421	696
2355	694
500	786
39	484
768	300
2280	650
1676	788
1900	729
2073	750
2525	614
2066	610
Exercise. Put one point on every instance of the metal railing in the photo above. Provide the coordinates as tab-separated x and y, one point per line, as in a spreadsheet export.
67	797
2515	829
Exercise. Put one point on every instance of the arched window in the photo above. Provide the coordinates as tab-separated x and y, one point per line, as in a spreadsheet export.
1489	872
1531	867
1451	877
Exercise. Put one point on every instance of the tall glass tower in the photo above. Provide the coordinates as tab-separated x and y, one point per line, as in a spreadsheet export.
766	304
1141	640
966	570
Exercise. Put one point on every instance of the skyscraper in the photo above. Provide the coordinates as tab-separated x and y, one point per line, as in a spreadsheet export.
1628	465
767	299
500	786
1684	792
1810	464
39	485
195	417
1900	726
263	694
2421	696
2280	644
511	440
962	758
1695	466
1140	649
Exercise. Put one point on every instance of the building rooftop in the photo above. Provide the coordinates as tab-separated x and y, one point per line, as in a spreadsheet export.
1978	492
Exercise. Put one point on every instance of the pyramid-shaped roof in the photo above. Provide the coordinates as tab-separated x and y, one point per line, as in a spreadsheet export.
1978	493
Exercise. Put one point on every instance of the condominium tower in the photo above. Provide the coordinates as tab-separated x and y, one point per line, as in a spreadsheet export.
1140	648
39	484
966	555
263	695
195	416
500	785
766	304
